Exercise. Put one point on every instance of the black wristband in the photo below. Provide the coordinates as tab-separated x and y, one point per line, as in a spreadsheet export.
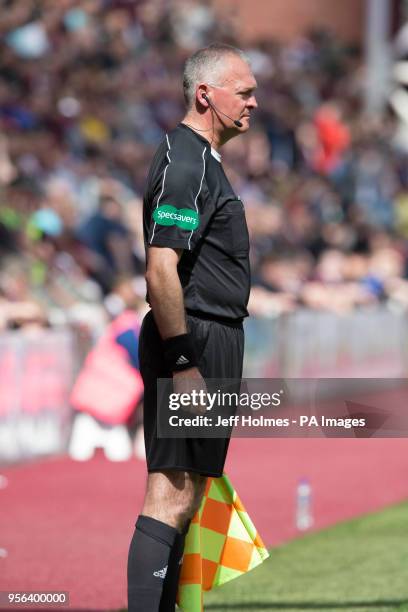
179	353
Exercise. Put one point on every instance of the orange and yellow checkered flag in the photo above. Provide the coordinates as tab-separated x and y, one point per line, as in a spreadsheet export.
221	544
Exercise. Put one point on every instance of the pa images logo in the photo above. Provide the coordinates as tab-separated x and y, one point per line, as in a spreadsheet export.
185	218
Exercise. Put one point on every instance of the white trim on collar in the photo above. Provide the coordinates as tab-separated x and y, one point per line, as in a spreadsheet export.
215	154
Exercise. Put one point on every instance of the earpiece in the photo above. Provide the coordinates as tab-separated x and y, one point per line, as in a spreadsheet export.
217	110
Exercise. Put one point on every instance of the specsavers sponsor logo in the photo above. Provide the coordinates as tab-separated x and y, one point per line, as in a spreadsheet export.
185	218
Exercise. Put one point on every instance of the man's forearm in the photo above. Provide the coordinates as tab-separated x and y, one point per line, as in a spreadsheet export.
167	302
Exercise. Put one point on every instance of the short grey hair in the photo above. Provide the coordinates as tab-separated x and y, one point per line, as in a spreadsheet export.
205	65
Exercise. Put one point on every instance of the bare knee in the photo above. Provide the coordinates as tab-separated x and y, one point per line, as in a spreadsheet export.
174	497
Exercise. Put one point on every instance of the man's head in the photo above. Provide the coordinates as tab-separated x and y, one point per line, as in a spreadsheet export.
219	79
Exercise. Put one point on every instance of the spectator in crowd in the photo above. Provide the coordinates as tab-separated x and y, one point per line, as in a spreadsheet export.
87	88
108	243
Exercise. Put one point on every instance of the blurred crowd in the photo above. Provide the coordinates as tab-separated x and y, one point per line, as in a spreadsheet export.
87	90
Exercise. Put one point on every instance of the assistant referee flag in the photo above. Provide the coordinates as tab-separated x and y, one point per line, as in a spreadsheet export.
221	544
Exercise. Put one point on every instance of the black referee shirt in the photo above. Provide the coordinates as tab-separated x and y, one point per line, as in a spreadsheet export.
189	204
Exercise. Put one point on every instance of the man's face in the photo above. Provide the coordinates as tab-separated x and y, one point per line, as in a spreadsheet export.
235	94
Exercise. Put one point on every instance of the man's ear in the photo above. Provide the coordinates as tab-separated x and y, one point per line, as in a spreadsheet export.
202	95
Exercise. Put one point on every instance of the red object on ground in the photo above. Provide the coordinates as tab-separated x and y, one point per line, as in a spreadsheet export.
67	526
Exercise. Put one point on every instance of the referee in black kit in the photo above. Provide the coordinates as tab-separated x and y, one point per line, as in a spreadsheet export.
198	282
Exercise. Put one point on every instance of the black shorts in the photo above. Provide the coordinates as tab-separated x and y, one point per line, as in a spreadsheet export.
220	349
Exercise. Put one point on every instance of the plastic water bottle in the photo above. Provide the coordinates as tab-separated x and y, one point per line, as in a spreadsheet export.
304	517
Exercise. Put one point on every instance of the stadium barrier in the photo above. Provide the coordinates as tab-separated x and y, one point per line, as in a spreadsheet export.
366	343
36	375
37	370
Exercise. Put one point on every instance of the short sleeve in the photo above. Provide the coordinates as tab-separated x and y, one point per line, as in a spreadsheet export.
177	216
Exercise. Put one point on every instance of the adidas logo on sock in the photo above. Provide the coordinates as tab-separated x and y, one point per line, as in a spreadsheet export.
161	573
182	360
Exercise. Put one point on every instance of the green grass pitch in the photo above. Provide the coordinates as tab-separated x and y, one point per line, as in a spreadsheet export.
356	566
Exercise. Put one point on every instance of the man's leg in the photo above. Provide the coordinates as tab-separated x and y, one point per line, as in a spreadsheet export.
171	581
172	499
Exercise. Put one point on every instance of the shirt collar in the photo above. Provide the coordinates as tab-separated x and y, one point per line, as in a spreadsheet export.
215	154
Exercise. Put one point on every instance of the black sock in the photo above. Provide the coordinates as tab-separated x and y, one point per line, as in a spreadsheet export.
148	561
168	598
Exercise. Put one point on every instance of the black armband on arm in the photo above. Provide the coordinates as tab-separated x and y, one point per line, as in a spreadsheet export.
179	353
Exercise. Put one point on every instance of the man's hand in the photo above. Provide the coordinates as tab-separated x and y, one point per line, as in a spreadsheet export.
187	381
